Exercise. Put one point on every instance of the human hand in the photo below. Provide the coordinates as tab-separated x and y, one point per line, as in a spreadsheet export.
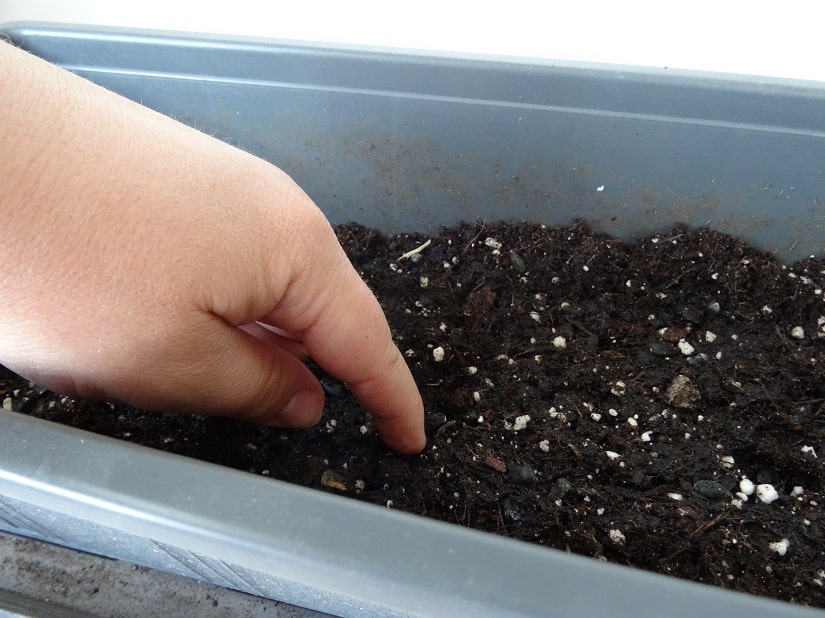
142	262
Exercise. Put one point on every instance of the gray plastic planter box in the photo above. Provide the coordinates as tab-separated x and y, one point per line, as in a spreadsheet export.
410	142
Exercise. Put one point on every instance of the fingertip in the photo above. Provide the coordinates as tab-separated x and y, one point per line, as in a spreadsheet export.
303	410
406	442
404	433
415	438
412	443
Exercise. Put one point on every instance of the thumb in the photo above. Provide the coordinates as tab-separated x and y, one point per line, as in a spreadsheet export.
228	371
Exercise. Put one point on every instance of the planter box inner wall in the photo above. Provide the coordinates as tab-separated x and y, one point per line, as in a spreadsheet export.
409	142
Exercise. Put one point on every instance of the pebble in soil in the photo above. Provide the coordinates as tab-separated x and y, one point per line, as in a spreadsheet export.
659	404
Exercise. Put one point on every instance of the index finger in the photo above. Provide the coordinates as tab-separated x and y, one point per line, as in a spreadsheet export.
345	331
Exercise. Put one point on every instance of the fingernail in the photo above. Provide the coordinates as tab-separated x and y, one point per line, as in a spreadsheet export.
303	410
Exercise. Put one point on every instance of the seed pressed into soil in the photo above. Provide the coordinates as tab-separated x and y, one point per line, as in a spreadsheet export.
659	404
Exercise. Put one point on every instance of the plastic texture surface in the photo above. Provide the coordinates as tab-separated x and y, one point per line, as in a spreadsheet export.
306	547
410	143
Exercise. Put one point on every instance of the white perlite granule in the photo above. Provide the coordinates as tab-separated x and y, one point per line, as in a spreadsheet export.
780	547
521	422
766	493
747	487
685	348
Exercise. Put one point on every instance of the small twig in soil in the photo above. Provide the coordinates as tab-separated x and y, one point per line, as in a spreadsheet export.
444	428
534	351
580	327
474	238
710	523
806	401
417	250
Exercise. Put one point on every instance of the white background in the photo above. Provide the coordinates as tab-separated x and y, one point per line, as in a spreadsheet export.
782	39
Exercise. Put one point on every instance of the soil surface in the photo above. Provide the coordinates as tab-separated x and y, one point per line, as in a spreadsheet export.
658	404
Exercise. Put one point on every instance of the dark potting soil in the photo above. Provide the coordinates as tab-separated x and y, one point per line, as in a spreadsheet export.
658	404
